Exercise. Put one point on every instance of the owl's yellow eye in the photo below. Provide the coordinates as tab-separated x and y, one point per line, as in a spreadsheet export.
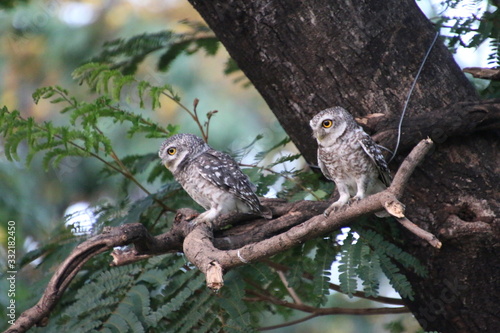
171	151
327	123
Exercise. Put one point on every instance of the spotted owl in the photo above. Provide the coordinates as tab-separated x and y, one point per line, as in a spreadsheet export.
212	178
348	156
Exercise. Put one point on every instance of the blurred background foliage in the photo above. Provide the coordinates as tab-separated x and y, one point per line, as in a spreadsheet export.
43	42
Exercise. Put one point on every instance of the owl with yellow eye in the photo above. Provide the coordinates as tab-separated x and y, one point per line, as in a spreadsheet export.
348	156
212	178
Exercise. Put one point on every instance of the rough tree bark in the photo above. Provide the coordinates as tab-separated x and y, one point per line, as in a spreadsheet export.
304	56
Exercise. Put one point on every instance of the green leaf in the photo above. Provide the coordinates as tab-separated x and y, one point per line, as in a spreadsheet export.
368	270
395	326
325	255
231	300
172	53
347	276
286	158
261	155
209	44
397	280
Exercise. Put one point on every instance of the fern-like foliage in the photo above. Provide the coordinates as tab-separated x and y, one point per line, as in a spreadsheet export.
323	259
125	55
85	135
475	26
105	80
349	260
370	254
157	296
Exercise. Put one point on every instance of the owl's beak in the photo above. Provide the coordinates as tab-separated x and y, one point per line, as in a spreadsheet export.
314	135
320	136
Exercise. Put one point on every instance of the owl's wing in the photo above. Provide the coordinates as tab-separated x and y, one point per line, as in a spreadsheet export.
221	170
372	150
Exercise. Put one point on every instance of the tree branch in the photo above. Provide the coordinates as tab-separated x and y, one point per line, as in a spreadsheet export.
328	311
200	250
452	120
290	290
360	294
111	237
290	323
214	251
409	165
483	73
415	229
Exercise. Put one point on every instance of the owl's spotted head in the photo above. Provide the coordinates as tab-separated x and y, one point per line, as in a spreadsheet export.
330	124
179	149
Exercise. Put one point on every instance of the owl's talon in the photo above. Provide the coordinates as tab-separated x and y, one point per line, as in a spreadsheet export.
336	206
192	218
354	199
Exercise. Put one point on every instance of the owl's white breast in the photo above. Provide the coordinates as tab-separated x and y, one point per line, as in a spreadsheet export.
345	159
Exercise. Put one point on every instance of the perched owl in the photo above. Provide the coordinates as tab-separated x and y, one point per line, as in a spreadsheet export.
210	177
348	156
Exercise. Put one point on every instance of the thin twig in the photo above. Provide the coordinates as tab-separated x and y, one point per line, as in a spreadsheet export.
289	323
329	311
336	287
290	290
125	171
193	115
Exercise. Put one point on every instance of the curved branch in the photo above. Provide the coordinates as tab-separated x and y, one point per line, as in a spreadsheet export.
315	312
111	237
261	296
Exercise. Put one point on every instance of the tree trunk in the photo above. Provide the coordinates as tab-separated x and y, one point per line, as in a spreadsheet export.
304	56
